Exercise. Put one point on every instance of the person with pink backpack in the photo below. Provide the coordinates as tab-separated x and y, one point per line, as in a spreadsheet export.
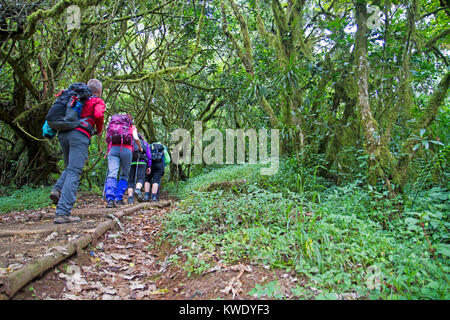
120	134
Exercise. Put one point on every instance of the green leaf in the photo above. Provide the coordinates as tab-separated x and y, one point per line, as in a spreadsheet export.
422	132
327	296
437	142
443	249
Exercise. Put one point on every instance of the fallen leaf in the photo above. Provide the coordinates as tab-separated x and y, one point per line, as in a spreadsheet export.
14	266
160	291
74	279
110	291
52	236
137	286
119	256
234	287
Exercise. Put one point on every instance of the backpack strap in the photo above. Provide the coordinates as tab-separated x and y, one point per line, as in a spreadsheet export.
109	149
86	125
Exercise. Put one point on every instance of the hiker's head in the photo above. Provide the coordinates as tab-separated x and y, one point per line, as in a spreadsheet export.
96	87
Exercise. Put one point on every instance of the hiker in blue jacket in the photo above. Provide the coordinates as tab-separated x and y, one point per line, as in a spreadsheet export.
140	165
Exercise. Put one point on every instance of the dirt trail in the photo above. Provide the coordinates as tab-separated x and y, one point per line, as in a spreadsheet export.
125	263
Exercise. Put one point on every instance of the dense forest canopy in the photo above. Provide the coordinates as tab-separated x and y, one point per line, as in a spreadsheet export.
357	88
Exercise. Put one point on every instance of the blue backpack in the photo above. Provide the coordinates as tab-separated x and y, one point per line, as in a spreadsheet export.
48	132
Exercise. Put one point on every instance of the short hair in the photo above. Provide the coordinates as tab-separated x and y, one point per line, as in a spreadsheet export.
95	85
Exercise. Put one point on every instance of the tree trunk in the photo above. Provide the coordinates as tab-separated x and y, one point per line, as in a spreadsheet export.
379	156
429	114
245	54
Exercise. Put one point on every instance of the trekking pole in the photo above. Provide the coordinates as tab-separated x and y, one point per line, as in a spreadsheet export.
104	183
135	174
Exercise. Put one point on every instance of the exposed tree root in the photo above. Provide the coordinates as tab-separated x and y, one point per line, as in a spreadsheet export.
13	282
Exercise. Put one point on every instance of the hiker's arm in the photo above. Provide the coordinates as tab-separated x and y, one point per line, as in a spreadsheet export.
149	157
136	138
138	142
99	114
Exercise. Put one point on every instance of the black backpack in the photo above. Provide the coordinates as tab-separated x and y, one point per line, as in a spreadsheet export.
142	155
65	113
157	150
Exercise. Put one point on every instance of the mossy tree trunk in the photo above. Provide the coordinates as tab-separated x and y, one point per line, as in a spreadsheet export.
244	51
379	156
429	114
288	43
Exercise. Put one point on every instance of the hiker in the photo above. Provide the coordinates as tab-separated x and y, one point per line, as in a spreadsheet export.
74	144
119	136
140	166
160	158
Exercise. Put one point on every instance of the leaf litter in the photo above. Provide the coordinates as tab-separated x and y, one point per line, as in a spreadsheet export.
121	266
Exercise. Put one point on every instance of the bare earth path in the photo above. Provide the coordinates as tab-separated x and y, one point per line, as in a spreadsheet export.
127	262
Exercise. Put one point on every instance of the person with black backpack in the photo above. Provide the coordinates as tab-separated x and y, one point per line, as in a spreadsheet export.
160	158
140	166
76	116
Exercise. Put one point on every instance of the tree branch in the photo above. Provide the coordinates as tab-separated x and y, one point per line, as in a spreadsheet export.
145	76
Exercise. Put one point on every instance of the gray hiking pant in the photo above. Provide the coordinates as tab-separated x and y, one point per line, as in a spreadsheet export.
74	145
119	158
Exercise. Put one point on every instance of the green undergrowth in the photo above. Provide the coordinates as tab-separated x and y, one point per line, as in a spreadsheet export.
33	197
344	240
28	197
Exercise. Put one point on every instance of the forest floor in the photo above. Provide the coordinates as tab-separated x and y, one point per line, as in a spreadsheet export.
126	263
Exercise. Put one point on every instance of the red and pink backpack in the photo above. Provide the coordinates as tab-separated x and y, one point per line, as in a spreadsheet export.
119	131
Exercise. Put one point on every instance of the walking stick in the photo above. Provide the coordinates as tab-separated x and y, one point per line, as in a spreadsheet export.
135	174
104	183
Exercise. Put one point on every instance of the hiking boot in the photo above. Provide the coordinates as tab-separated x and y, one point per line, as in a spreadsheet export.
154	198
138	195
54	196
146	197
120	203
111	204
130	200
66	219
